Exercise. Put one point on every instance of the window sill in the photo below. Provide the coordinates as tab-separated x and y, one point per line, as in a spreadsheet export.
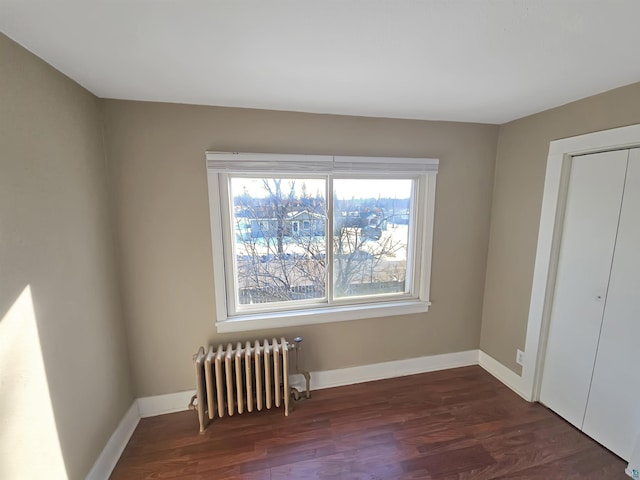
312	316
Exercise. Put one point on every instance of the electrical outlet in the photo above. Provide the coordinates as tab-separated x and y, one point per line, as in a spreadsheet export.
519	357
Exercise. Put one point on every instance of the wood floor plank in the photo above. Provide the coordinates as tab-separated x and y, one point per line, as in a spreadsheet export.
450	425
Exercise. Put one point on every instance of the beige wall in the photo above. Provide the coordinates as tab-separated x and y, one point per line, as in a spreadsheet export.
517	197
65	337
158	172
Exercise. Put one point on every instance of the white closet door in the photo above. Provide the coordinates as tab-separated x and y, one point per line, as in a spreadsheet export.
586	251
613	409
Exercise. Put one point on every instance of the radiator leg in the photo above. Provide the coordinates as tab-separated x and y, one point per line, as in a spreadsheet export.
307	377
295	393
193	406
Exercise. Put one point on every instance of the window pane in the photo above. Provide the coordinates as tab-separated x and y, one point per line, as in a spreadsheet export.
370	236
279	239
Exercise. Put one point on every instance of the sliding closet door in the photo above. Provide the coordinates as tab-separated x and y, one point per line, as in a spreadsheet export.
586	251
613	409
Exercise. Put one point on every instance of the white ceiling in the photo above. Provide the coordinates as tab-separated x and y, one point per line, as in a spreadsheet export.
463	60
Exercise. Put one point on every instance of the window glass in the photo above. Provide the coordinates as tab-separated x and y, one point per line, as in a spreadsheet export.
371	241
279	239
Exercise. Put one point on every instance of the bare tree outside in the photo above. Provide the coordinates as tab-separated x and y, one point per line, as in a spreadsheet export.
364	258
282	236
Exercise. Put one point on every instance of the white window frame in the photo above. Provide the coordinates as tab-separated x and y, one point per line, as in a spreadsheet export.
222	164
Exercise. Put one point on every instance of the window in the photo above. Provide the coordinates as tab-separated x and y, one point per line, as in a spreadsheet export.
308	239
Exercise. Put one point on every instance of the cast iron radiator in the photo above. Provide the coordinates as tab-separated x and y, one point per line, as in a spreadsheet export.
243	379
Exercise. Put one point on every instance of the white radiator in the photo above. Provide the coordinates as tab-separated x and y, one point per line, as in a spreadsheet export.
241	379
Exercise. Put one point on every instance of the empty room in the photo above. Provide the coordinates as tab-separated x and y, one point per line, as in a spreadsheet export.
319	240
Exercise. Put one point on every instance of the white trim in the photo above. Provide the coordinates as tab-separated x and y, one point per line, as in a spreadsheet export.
217	247
224	162
395	368
116	444
546	260
161	404
384	164
220	165
426	257
313	316
178	402
221	162
613	139
502	373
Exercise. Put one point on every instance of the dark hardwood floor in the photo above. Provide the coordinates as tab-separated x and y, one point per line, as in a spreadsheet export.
453	424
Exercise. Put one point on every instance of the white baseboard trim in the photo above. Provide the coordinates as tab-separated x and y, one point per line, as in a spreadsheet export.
394	368
161	404
111	452
502	373
177	402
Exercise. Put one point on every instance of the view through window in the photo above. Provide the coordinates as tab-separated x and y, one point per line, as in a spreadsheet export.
284	226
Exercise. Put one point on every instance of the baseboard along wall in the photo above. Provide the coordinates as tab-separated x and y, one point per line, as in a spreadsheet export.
116	444
502	373
380	371
177	402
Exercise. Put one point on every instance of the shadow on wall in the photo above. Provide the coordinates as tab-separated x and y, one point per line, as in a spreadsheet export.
29	442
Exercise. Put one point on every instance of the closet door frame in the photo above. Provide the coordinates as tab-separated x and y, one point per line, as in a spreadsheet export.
549	233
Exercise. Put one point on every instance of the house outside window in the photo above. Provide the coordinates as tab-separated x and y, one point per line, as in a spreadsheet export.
308	239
